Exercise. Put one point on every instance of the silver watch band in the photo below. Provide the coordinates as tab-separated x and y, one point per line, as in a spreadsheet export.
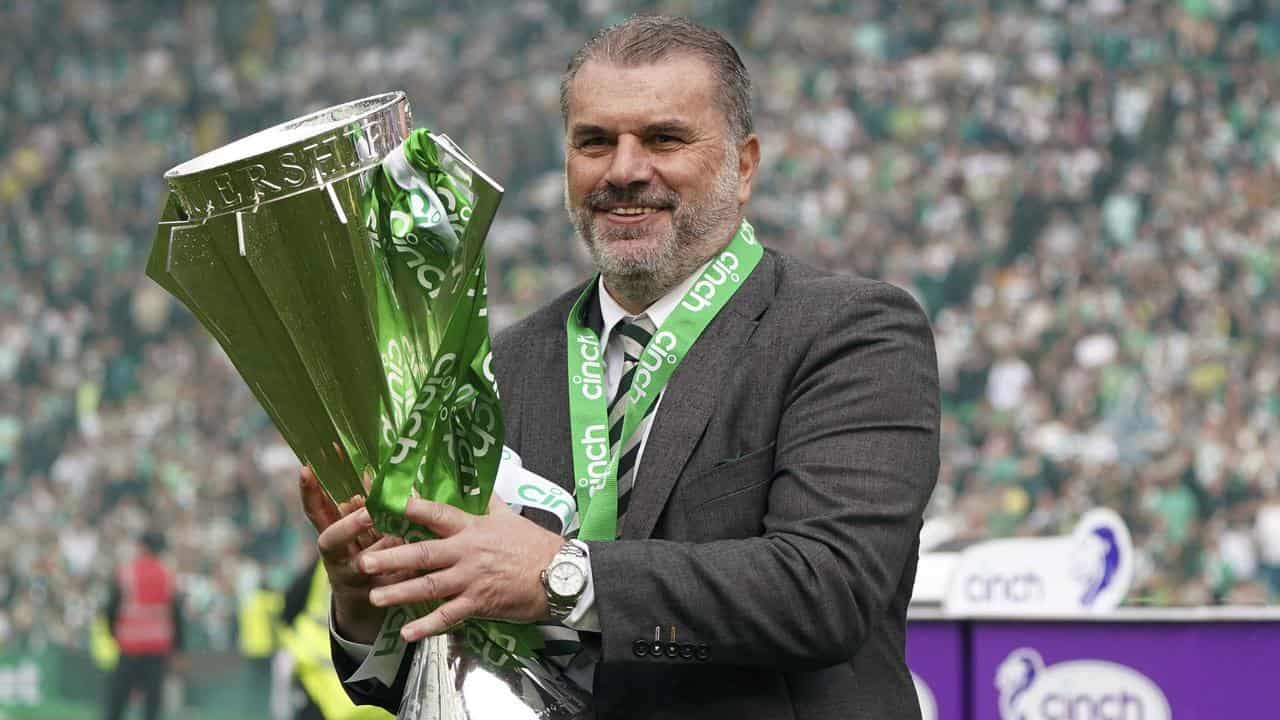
559	605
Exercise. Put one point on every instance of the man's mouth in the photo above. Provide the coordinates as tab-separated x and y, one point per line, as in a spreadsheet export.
637	215
632	211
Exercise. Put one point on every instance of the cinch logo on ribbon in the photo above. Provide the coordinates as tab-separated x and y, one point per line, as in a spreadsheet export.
723	269
1085	572
590	380
1075	690
520	488
661	349
928	705
595	448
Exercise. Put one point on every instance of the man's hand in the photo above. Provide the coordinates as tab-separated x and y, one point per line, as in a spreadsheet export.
345	533
487	566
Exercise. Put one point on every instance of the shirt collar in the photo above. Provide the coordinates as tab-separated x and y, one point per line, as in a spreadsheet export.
612	313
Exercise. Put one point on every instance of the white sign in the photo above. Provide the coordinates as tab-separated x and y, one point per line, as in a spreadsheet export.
1075	690
1086	572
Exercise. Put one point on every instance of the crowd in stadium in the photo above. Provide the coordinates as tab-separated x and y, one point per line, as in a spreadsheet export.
1081	195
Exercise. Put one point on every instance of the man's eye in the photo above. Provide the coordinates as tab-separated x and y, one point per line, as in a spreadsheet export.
592	142
666	139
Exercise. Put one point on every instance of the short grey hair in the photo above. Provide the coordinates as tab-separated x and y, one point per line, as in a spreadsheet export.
646	39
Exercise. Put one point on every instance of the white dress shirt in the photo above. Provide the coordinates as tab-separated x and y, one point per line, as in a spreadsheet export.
584	616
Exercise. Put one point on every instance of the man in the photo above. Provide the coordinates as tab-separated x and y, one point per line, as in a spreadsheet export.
143	612
767	510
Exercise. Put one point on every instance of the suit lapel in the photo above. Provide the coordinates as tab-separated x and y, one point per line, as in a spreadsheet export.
546	438
691	397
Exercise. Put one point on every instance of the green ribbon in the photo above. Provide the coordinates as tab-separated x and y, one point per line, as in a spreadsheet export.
442	428
595	466
442	434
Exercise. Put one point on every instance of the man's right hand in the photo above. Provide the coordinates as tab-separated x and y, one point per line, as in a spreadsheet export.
346	532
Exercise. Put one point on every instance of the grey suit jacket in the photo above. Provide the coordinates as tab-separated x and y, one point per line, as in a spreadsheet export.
774	525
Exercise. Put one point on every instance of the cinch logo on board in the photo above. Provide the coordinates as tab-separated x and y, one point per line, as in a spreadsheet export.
1075	690
928	705
1085	572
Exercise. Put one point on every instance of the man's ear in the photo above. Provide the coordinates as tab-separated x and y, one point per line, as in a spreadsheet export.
748	163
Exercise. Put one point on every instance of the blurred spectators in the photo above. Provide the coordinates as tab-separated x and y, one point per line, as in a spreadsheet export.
1079	193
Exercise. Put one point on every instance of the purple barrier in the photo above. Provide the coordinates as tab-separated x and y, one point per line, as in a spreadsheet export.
1129	670
936	656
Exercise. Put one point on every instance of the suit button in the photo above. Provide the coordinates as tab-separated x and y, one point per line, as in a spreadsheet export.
656	648
703	652
687	650
673	650
640	648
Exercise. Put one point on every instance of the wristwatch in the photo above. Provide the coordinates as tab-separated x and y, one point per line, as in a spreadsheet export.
565	579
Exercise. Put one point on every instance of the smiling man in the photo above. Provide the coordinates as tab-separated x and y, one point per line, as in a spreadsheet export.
751	471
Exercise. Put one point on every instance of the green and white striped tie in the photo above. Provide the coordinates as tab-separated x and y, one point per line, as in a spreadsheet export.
632	335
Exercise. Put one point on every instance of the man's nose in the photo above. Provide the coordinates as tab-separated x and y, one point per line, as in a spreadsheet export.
631	163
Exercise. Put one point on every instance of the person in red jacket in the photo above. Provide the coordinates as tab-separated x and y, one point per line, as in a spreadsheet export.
143	610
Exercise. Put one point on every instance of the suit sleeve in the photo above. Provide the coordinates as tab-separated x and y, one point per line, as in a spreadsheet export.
856	459
371	692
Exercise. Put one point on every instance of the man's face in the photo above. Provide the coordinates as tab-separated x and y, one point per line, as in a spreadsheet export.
653	181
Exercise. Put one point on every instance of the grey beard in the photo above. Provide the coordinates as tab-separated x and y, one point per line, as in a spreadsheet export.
642	286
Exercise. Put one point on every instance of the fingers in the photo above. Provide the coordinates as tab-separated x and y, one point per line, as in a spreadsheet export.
316	504
421	555
368	537
386	541
433	586
337	541
443	520
439	620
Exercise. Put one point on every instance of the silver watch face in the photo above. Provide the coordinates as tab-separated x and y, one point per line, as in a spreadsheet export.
566	579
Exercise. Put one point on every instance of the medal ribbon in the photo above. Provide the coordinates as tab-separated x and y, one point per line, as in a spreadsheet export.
595	466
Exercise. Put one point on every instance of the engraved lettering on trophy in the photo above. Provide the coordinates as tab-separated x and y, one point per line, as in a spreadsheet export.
257	174
373	129
336	150
193	203
292	174
322	161
226	191
353	137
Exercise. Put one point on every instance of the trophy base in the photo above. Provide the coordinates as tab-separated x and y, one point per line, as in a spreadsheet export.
448	682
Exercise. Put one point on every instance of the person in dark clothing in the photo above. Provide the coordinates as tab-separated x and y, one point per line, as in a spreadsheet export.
143	611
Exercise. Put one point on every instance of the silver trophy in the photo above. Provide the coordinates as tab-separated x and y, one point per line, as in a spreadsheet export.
276	242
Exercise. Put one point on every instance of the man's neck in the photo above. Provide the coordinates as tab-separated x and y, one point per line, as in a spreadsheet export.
632	306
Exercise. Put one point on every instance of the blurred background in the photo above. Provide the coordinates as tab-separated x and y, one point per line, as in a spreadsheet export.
1081	194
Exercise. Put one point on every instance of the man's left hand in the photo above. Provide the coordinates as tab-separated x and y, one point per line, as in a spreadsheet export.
487	566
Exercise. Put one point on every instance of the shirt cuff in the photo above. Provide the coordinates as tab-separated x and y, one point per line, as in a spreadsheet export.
584	617
382	668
